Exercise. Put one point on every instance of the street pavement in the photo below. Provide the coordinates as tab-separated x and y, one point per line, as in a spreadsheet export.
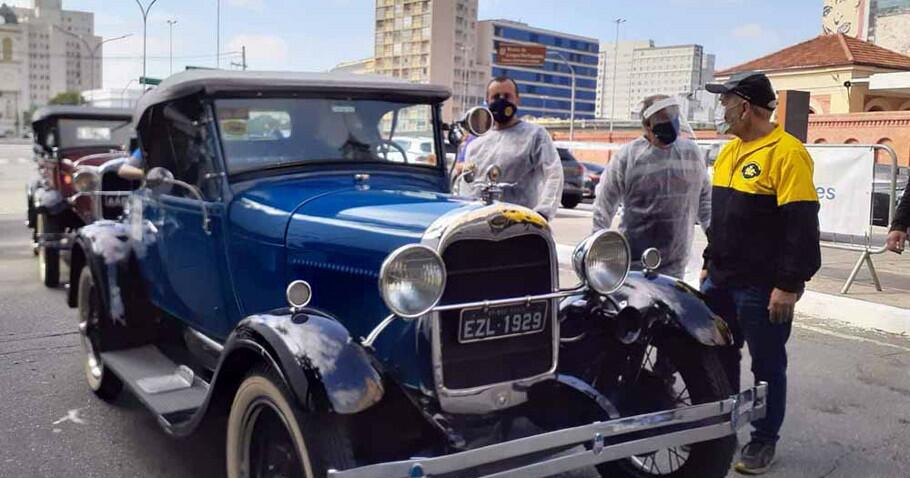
849	405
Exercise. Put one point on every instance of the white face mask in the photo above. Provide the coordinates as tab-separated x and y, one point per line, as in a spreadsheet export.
720	119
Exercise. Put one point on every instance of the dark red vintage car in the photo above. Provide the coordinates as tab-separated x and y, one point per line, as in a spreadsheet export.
67	137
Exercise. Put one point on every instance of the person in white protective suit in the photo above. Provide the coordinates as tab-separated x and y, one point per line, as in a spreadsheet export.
523	151
662	183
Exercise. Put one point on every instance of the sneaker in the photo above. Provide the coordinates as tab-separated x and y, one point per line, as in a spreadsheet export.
755	459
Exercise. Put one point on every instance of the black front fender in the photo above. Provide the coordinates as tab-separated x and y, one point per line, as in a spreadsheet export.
317	357
684	306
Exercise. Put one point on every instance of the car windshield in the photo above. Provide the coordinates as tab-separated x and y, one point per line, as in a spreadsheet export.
80	133
262	134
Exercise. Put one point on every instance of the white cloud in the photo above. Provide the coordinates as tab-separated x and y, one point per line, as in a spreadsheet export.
249	4
263	52
750	31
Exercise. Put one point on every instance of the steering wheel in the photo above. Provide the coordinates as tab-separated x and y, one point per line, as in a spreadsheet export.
386	145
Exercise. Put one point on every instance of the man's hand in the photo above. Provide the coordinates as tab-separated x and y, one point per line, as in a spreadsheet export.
702	277
896	240
781	306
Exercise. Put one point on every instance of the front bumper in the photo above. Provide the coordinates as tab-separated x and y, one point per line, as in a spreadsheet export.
602	442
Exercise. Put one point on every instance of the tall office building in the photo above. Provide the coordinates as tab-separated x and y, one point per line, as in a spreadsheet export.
57	43
644	70
430	41
546	90
13	69
614	69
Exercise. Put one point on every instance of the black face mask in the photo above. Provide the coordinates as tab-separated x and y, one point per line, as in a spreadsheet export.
503	110
666	132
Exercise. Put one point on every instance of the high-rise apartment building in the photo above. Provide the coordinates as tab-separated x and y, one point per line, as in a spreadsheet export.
644	70
44	51
546	90
430	41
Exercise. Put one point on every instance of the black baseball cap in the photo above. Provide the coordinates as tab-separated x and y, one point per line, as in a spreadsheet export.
751	86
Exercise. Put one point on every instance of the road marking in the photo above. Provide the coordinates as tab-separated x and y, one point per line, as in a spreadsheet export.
574	213
3	161
23	160
856	338
71	416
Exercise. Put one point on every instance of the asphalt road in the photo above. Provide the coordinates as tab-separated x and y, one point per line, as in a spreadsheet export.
849	412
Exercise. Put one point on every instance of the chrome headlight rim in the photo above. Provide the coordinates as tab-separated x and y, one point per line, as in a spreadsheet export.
83	176
582	253
387	264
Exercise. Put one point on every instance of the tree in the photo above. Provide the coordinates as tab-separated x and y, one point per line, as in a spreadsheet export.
67	98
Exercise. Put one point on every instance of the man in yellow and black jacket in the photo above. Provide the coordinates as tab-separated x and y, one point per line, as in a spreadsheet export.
763	245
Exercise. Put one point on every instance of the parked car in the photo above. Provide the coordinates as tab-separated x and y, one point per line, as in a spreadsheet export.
347	317
592	178
881	192
63	135
573	179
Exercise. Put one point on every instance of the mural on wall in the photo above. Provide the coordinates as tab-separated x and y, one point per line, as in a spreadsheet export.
850	17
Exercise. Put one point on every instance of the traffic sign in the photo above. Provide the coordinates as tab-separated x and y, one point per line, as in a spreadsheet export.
515	54
144	80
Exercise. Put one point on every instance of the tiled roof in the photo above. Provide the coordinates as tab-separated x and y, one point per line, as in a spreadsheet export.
824	51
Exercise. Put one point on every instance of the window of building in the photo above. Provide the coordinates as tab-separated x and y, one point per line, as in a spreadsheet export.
6	52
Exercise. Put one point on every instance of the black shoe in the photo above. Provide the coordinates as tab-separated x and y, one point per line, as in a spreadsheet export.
756	458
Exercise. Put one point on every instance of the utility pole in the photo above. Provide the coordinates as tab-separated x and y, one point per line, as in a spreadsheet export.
218	35
572	106
145	17
242	64
619	21
170	24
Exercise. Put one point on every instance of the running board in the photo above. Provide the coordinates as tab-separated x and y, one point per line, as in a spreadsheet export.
171	392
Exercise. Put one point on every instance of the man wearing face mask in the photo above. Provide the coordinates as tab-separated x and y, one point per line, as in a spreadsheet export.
763	245
661	180
524	152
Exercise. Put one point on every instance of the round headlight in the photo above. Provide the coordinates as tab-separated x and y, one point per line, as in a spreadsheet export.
603	261
85	181
412	280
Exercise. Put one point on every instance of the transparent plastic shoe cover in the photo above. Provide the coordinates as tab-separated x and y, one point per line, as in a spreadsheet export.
412	280
664	191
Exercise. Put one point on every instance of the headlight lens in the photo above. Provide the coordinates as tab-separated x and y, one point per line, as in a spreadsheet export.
412	280
603	261
85	181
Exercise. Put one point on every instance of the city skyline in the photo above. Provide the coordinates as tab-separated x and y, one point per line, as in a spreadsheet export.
315	36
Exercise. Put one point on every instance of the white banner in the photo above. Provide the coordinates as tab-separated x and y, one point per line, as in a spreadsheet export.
843	180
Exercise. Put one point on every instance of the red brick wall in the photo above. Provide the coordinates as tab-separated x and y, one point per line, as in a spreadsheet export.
887	127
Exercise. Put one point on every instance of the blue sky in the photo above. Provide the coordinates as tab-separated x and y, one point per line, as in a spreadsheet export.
317	34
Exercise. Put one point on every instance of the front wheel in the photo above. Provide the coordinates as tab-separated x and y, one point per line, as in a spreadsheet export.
677	372
102	381
48	258
270	436
569	202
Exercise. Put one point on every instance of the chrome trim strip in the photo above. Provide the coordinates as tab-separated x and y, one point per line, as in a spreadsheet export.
734	412
374	334
514	300
210	343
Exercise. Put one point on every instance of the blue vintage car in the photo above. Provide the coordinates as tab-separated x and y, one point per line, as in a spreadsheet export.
290	273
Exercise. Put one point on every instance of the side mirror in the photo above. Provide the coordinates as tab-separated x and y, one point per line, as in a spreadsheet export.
157	178
478	120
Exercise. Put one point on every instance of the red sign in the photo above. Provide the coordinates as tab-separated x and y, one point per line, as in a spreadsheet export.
514	54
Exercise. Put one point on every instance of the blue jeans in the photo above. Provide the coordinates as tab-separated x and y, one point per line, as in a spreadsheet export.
745	309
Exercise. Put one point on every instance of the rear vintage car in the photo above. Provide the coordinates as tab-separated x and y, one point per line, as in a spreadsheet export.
65	136
297	272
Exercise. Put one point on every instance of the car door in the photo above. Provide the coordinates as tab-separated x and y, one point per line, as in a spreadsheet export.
189	219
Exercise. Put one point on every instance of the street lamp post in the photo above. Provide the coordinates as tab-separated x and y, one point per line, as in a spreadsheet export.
170	47
218	35
92	50
145	17
619	21
572	106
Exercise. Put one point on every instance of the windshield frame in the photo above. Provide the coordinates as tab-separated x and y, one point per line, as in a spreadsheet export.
323	165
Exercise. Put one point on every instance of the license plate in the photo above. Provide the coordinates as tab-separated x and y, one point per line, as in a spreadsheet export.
502	321
114	201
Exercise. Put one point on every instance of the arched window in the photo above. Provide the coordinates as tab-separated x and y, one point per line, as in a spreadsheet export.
882	156
7	48
851	141
821	141
875	108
